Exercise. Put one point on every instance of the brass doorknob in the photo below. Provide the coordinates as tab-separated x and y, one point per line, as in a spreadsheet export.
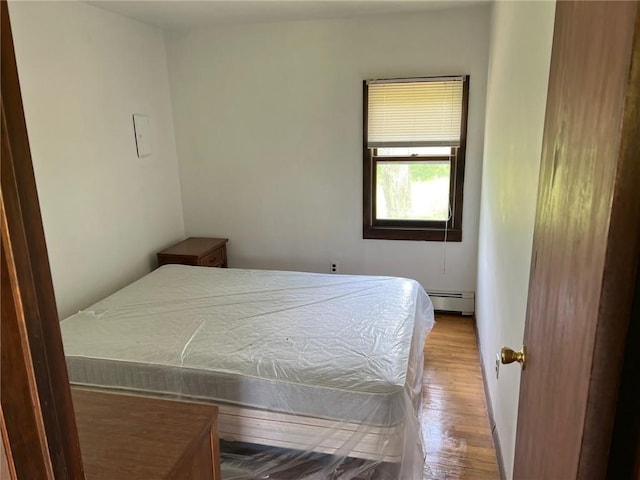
507	355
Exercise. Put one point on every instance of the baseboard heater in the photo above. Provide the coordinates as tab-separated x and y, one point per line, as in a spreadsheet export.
459	302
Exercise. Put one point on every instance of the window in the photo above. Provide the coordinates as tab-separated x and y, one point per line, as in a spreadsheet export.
414	149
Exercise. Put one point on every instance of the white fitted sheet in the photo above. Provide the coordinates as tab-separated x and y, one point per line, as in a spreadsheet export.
313	344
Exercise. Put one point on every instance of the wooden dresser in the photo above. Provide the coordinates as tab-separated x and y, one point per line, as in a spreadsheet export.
199	251
124	436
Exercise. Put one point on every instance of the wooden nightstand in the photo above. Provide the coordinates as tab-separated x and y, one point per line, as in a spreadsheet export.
203	252
142	438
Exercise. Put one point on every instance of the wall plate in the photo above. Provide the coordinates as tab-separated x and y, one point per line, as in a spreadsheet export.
142	133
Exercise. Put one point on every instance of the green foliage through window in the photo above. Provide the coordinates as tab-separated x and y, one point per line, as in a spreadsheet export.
425	172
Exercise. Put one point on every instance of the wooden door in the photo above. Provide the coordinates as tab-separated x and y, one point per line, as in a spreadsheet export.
586	242
39	433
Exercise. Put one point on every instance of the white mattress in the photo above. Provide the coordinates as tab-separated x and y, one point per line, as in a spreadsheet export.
332	346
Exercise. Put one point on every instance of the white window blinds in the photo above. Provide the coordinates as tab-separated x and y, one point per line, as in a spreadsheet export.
414	112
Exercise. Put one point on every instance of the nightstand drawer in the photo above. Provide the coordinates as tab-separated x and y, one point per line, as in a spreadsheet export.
214	259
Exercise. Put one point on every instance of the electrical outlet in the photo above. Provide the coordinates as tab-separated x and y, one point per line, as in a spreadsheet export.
497	365
334	267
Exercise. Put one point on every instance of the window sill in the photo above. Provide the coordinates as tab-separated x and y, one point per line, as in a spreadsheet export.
424	234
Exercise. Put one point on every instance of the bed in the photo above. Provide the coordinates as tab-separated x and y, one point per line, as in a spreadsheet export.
305	362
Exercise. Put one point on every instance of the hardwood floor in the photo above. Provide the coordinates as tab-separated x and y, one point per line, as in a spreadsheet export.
455	423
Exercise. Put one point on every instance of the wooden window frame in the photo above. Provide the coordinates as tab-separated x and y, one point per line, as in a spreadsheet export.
450	230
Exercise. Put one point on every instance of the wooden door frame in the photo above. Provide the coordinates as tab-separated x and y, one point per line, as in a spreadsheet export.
43	440
618	288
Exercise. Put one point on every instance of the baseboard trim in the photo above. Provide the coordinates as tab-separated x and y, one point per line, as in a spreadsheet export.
487	396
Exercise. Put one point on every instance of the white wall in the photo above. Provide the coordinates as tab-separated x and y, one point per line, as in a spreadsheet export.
516	96
268	124
83	73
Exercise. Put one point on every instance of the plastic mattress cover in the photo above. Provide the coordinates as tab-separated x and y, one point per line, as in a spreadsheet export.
316	376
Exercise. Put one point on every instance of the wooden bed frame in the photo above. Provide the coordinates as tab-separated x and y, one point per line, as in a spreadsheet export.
295	432
298	432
